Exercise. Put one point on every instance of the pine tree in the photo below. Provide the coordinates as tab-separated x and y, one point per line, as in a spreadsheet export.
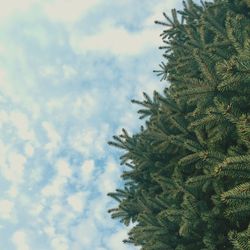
187	183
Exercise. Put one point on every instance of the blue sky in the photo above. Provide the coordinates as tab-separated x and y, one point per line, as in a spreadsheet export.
68	70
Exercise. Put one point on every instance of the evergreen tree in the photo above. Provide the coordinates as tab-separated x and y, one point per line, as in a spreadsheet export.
187	182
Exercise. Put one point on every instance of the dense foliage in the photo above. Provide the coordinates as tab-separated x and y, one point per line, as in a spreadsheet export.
187	185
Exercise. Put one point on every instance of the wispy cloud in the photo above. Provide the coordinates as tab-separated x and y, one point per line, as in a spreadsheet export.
68	70
19	238
68	11
6	209
115	40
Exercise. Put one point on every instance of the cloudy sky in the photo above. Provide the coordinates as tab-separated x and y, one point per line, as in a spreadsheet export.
68	70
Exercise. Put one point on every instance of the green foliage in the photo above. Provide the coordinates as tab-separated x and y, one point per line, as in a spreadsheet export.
188	180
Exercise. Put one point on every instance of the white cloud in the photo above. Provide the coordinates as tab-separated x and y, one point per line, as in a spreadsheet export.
91	141
116	40
35	174
56	208
3	153
3	116
19	238
6	209
13	191
10	86
87	169
85	235
121	42
12	7
87	104
14	167
39	34
48	71
68	71
50	231
36	209
60	243
63	168
107	180
21	122
56	103
99	208
77	201
2	50
66	11
5	85
53	136
25	200
55	188
28	149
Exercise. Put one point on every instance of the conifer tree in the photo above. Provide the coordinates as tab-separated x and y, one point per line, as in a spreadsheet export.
187	182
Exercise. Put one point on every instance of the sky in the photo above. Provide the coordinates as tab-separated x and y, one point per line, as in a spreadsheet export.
68	70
